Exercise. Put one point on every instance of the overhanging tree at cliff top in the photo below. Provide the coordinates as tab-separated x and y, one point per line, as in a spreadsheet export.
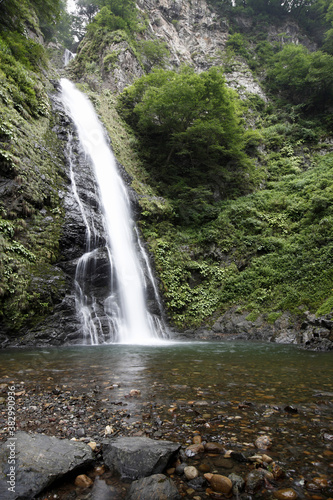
188	122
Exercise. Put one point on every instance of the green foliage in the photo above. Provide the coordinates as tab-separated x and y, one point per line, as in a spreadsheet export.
237	43
187	124
114	15
16	15
267	252
16	77
326	307
303	77
152	53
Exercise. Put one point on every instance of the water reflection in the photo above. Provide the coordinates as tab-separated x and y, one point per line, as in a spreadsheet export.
257	372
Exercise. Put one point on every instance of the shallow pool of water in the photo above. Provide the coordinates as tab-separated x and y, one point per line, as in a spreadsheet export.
230	392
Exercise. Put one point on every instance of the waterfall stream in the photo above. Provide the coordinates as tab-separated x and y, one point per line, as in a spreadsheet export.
68	56
124	306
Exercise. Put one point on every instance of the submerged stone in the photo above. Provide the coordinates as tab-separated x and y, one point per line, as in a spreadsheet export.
155	487
136	457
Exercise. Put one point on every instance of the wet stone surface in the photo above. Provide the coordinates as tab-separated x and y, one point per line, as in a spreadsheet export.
229	408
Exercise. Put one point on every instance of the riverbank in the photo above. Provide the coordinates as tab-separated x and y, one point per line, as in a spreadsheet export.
230	394
307	330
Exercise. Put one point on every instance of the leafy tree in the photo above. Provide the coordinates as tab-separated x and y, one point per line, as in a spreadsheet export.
154	53
87	9
303	77
126	9
187	122
114	15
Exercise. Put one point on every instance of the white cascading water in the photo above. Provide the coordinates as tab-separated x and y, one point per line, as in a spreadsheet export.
68	56
129	319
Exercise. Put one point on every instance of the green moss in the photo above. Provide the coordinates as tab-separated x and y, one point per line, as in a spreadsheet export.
110	60
326	307
31	213
252	316
272	317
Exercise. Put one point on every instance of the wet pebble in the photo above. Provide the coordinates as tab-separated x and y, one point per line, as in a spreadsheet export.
277	471
263	443
197	439
317	483
214	448
285	494
180	469
204	468
223	462
83	481
219	483
191	472
254	481
194	449
198	483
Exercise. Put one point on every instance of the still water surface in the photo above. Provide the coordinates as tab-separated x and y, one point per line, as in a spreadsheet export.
232	370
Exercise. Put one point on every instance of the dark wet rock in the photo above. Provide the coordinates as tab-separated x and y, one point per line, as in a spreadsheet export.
180	469
305	329
198	483
40	460
290	409
136	457
238	457
155	487
237	483
254	481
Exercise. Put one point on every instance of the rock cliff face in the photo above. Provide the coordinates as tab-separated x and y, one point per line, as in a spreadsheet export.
194	34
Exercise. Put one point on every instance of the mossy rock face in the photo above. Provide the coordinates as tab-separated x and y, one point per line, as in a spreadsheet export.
32	181
110	58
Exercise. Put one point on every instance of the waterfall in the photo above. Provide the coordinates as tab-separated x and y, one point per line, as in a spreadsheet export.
128	319
68	56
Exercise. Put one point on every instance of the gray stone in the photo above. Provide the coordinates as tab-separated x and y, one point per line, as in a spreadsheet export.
156	487
136	457
39	460
237	483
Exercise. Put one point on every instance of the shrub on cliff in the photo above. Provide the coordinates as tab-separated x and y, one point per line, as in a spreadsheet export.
188	124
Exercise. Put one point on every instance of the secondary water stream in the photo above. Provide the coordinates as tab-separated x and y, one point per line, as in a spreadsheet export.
230	392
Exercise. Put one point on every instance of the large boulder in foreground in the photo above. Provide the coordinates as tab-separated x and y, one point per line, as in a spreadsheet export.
37	461
156	487
137	457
